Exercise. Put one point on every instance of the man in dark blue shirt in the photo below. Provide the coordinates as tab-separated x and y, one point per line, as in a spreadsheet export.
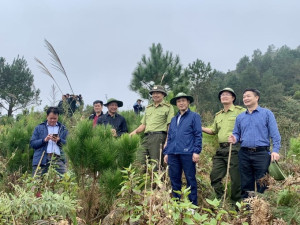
114	119
183	146
254	129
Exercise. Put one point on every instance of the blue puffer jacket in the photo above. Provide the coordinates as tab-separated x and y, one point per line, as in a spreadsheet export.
186	138
39	145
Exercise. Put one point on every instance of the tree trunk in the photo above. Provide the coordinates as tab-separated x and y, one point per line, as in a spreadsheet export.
10	110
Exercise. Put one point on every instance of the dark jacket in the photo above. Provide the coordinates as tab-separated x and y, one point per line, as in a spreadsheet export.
186	137
39	145
118	122
92	116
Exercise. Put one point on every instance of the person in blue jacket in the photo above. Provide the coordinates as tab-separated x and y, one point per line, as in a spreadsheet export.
184	144
47	141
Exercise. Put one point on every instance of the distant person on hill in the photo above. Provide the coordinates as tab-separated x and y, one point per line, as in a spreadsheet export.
222	127
114	119
62	104
254	129
137	107
47	141
98	105
72	104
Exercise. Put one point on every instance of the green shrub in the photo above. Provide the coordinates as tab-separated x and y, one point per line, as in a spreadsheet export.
294	151
288	198
23	207
15	138
132	120
297	95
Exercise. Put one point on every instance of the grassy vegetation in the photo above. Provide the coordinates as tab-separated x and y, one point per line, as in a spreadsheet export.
102	186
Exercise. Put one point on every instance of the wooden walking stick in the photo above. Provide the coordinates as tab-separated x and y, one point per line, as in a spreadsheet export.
227	173
39	164
160	153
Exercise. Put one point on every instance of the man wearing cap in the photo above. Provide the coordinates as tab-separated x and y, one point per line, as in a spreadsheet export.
222	126
253	129
183	146
155	123
137	107
114	119
98	104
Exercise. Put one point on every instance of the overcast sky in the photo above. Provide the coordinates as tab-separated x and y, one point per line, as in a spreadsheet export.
100	42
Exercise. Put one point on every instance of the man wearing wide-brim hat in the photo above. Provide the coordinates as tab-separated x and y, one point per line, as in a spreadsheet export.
114	119
222	127
183	146
155	123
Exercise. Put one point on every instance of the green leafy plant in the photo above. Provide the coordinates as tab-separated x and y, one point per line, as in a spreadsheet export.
23	207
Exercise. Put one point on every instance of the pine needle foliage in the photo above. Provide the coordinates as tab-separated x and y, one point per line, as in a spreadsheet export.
94	149
14	140
126	147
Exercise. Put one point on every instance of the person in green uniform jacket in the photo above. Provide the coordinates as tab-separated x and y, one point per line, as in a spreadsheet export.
154	123
223	126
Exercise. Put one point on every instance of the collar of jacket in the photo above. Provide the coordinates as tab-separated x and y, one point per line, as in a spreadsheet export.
94	114
116	115
186	112
45	123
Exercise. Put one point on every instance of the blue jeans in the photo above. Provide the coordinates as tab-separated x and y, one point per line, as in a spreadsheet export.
253	166
184	162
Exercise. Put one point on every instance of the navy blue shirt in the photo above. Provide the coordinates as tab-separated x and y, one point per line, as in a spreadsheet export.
185	135
255	129
118	122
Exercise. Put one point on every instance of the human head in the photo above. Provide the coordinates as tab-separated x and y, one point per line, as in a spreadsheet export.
113	105
52	115
158	88
182	101
227	95
139	101
251	97
98	104
158	93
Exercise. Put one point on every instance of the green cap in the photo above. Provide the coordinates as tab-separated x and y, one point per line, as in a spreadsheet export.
229	90
181	95
120	104
275	171
158	88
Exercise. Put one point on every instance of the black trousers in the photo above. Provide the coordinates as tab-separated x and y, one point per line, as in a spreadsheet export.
253	166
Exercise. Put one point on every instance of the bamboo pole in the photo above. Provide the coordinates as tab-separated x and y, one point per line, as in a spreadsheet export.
227	173
39	164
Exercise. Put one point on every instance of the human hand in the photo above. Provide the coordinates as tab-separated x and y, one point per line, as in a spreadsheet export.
196	157
232	139
48	137
132	133
166	159
275	156
114	132
55	138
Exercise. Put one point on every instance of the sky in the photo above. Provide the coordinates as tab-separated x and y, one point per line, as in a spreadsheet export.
101	42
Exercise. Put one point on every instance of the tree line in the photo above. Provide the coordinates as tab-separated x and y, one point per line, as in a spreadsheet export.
276	73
